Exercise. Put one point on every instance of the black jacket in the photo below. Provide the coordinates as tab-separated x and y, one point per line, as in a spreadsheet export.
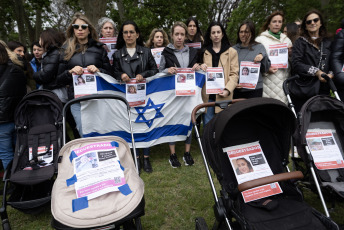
337	59
142	62
49	68
172	61
95	54
12	90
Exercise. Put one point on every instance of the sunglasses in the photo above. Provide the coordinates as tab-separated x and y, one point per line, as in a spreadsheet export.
83	26
315	20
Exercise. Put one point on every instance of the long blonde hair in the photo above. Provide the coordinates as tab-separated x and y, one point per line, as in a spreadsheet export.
72	41
12	55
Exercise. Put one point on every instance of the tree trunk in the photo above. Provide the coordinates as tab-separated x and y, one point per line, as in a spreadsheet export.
19	12
94	9
121	11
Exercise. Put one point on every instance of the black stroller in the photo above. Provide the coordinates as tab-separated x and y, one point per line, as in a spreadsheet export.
320	113
38	123
271	123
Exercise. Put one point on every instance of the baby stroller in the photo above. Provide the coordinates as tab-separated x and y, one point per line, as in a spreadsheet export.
271	123
321	113
107	211
38	124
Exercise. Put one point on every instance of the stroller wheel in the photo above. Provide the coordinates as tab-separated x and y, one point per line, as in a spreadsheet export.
201	224
6	226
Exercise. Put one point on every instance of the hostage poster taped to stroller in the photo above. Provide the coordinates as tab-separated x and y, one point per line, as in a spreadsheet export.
84	84
156	52
215	82
97	170
135	92
324	149
278	55
249	74
185	82
110	44
249	163
43	160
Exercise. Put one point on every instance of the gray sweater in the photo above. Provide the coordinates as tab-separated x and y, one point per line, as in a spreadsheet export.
182	57
245	54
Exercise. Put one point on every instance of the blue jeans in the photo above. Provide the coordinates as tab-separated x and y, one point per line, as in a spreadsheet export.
7	139
209	114
76	112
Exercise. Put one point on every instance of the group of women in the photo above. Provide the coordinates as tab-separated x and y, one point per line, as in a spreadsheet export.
80	49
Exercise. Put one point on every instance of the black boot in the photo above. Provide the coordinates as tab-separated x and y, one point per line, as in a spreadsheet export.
147	167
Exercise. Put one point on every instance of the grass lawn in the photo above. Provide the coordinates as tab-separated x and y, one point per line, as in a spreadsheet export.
174	197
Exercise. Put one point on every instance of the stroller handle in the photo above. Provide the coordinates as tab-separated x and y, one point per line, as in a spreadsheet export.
270	179
221	104
91	97
329	81
285	83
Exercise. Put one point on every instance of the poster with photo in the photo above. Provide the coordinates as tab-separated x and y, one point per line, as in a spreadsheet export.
249	74
97	170
135	92
44	160
324	149
110	46
249	163
278	55
196	45
156	52
84	84
215	82
185	82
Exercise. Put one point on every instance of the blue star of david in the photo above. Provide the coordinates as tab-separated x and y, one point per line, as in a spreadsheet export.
150	105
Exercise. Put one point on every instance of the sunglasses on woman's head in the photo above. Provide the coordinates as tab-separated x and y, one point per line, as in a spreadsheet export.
315	20
83	26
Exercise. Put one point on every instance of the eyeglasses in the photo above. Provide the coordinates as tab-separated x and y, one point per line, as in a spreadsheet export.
129	32
315	20
77	26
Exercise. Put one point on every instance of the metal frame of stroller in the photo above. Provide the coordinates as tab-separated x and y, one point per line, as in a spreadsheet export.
310	165
221	213
139	210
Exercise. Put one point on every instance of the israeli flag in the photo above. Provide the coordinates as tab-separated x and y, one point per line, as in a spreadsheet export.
164	117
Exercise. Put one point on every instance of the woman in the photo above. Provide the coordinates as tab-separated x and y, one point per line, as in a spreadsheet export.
194	31
311	58
292	31
13	89
178	55
157	38
17	47
81	50
51	41
244	166
37	52
337	61
249	50
106	27
218	53
133	61
272	35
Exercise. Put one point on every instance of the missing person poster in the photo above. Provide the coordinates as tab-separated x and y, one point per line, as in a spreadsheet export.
97	170
215	82
249	74
156	52
196	45
185	82
249	163
135	92
43	160
278	55
110	44
324	149
84	84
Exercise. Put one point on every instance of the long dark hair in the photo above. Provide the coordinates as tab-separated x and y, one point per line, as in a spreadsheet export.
292	31
252	29
208	42
322	30
268	20
4	58
120	39
198	35
51	37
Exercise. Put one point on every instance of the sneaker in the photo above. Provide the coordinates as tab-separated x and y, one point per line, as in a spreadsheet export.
174	161
147	167
188	159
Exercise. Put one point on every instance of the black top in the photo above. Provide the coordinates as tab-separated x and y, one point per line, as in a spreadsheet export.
172	61
337	59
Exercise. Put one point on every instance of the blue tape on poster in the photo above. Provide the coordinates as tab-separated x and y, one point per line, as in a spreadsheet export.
124	189
114	144
121	165
71	180
72	156
80	203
